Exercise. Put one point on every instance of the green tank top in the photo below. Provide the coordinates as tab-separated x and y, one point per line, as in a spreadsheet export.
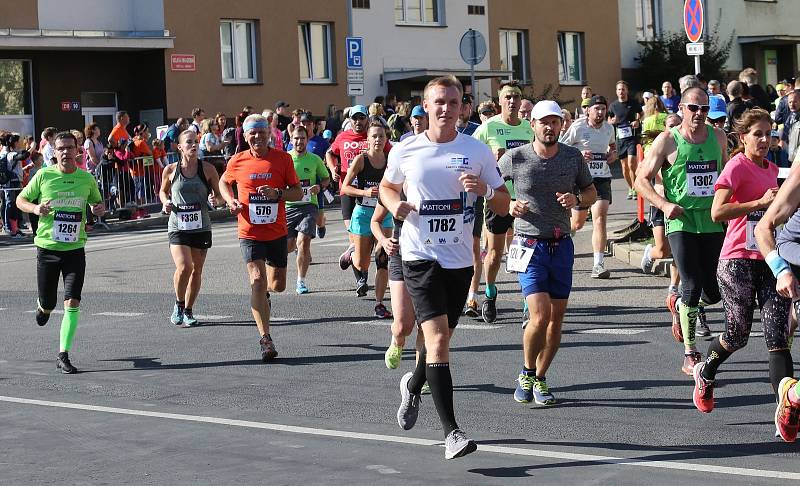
689	182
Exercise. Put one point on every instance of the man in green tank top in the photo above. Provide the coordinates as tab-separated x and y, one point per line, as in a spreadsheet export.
690	158
63	191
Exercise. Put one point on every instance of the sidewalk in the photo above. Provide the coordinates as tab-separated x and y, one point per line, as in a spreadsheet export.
120	226
632	252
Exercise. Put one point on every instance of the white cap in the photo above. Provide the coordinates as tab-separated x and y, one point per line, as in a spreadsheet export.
647	95
546	108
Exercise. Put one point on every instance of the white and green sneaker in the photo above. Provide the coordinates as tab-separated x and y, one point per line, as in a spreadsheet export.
541	393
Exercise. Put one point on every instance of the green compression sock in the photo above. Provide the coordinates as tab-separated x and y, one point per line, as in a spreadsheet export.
524	305
68	325
491	291
688	324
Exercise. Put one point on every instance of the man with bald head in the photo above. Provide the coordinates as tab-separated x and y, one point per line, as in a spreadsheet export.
689	158
670	98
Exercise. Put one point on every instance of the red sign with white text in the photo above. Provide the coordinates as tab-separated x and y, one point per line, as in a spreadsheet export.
182	62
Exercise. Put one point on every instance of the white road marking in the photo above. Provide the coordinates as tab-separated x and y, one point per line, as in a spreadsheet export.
340	434
54	311
208	317
627	332
119	314
388	322
382	469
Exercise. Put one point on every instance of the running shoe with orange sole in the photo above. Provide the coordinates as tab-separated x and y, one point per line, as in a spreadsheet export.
672	305
786	413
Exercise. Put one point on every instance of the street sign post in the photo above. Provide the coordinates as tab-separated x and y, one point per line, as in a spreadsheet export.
695	49
693	23
354	48
473	49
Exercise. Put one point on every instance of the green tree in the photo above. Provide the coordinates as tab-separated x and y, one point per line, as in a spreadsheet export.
665	59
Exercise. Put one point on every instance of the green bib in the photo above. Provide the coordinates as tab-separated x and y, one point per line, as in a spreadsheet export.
689	182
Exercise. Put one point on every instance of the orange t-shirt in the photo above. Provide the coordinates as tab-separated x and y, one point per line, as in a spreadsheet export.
249	172
119	133
140	149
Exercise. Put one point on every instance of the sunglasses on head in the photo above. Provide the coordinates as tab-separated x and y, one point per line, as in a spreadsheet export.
693	108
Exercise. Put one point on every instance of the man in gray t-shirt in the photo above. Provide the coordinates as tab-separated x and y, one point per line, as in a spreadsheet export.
545	173
537	181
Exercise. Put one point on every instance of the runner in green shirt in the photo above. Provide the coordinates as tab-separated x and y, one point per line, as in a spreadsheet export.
63	191
301	216
689	158
501	132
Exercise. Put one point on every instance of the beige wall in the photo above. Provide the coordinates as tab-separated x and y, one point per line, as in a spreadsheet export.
196	32
543	19
20	14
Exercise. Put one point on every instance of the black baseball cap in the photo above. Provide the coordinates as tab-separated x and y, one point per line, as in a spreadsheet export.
281	104
598	100
467	98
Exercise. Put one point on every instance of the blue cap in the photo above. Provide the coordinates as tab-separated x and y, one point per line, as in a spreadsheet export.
717	107
418	111
327	134
358	109
775	134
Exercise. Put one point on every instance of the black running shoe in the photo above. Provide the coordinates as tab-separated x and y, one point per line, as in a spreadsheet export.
489	311
41	317
63	364
362	287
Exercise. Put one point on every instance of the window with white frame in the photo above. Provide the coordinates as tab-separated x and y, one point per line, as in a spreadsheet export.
418	11
238	50
514	53
314	46
570	58
648	19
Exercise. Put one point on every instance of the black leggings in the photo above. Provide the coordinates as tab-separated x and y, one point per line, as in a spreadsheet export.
746	283
50	265
697	257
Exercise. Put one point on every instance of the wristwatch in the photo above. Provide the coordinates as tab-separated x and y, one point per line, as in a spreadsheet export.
280	194
578	198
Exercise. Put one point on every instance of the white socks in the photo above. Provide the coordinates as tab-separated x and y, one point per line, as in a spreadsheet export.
599	258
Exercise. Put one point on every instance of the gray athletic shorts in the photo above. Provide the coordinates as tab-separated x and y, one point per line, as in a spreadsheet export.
302	219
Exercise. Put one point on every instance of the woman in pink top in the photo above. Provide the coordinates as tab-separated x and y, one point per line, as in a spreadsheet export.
745	188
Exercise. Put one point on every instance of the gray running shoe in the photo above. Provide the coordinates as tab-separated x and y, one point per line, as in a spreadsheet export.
702	323
409	404
457	444
599	271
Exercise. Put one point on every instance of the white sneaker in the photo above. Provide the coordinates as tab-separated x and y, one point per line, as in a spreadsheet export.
457	444
647	262
599	271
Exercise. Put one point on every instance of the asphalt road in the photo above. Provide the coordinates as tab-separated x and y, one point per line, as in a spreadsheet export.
155	404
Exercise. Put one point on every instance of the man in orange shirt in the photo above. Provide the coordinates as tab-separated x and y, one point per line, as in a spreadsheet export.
119	134
265	180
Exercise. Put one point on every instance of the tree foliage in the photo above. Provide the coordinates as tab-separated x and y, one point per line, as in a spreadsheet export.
665	59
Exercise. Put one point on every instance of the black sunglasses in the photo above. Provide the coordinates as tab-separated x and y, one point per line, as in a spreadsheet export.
693	108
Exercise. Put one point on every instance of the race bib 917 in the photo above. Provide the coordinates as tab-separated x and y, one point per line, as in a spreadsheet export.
305	184
441	222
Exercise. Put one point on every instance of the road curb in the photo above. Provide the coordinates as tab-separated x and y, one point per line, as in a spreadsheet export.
631	252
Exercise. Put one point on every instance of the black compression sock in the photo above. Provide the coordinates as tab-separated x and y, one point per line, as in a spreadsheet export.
528	371
181	304
418	378
716	356
441	382
356	272
780	366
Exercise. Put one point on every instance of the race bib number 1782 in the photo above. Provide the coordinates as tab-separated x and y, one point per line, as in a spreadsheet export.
441	221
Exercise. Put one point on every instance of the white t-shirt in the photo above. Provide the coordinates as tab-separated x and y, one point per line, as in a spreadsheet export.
583	137
441	228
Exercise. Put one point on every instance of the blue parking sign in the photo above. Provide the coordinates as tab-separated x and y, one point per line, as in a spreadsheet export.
354	46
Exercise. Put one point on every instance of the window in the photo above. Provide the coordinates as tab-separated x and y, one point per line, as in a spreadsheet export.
648	19
15	88
314	46
360	3
514	53
570	58
476	10
417	11
238	49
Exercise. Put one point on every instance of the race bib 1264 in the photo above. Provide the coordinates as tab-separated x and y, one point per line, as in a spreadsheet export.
67	226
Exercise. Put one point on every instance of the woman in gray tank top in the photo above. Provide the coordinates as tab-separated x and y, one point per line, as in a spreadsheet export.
185	189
